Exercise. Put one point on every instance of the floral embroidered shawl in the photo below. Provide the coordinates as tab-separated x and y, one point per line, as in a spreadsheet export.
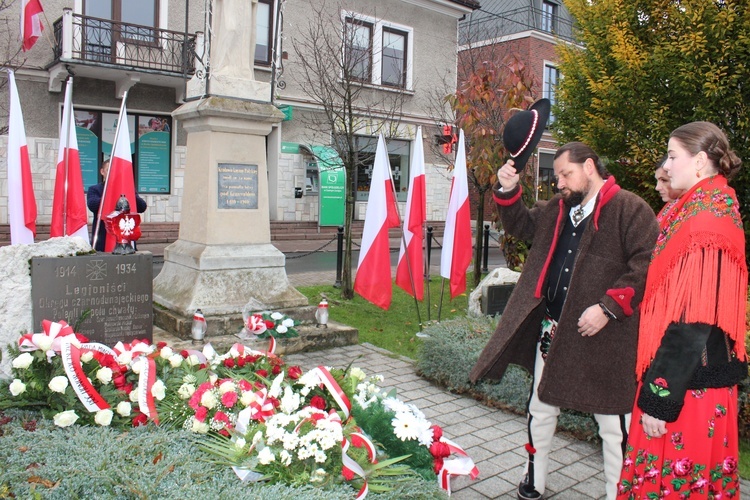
698	272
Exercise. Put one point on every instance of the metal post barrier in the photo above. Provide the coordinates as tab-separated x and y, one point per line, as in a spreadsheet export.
486	249
429	249
339	255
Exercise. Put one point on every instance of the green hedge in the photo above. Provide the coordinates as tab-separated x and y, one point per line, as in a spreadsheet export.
461	341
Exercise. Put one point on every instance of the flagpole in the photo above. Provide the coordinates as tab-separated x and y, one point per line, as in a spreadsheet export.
406	249
426	277
442	292
106	181
67	114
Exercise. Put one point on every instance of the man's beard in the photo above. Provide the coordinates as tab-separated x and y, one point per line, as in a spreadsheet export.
573	198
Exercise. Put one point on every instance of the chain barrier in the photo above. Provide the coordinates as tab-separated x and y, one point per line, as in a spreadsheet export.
312	251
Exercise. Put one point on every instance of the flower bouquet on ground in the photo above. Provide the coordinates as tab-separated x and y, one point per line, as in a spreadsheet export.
265	324
269	421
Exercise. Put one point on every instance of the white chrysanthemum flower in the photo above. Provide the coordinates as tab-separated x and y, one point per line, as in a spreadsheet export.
103	417
266	456
276	316
290	440
320	456
124	408
290	401
309	379
193	360
289	322
23	361
426	435
281	329
104	375
285	457
133	396
247	398
87	356
405	426
166	352
396	405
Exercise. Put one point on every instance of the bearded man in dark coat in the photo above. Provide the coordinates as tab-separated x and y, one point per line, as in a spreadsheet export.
572	319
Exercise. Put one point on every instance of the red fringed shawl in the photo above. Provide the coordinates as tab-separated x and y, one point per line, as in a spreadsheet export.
698	272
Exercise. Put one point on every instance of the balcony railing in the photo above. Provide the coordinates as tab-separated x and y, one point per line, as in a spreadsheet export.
487	25
106	42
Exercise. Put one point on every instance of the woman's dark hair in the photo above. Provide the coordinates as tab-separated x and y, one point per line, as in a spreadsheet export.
707	137
661	162
579	153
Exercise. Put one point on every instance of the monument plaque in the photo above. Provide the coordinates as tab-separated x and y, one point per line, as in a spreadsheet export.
116	289
238	185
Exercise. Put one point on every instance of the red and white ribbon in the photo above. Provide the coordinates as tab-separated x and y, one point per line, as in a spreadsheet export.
87	394
49	340
146	381
462	466
334	389
351	465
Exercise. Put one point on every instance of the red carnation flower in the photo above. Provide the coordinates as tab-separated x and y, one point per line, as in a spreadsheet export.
270	324
161	345
294	372
220	416
244	385
240	362
318	402
229	362
262	373
184	354
201	413
229	398
224	432
276	370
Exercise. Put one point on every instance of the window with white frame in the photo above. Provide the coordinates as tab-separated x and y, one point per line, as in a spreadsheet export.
549	16
398	157
551	77
378	52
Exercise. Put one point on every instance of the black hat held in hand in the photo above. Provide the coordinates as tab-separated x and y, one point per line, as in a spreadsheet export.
523	131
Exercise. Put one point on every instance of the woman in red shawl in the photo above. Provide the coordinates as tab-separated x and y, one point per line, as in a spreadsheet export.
691	350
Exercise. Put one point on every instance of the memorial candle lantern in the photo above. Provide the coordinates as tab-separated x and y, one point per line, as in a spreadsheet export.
321	315
199	327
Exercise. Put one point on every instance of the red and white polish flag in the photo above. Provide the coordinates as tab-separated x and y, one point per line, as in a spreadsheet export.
69	217
457	244
120	178
373	280
415	216
21	199
31	22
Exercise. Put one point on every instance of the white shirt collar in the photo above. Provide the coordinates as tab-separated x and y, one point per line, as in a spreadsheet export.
587	208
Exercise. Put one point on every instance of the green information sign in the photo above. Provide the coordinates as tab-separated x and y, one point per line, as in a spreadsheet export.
153	155
332	186
88	151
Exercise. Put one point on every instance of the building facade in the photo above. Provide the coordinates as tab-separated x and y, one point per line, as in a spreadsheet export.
158	51
530	29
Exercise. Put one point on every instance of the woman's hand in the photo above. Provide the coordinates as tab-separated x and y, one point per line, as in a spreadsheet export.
653	427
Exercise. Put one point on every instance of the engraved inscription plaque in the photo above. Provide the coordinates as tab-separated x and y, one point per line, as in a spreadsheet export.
116	289
238	185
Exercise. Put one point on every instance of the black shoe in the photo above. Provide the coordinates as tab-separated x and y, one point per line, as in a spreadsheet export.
526	492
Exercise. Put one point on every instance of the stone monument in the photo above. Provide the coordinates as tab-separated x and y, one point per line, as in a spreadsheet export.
223	257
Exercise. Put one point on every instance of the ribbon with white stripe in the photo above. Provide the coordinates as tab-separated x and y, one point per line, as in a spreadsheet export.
87	394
